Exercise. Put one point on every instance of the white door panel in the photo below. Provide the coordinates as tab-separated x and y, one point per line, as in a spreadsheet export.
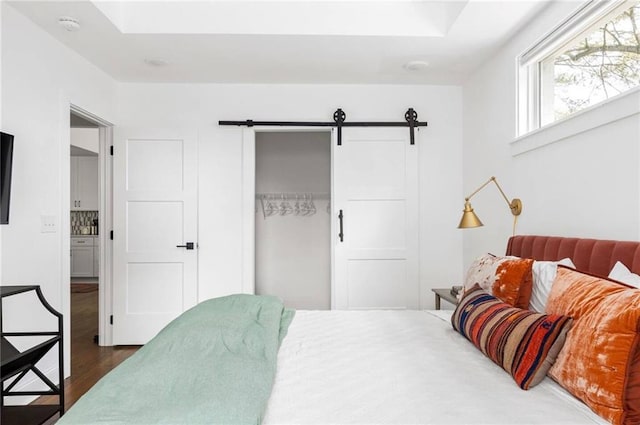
150	216
383	157
155	209
164	280
164	173
368	224
375	185
379	283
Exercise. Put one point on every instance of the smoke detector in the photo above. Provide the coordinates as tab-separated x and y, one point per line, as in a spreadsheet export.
416	66
69	23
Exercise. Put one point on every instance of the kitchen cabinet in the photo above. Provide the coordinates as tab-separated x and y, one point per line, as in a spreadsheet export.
84	183
82	257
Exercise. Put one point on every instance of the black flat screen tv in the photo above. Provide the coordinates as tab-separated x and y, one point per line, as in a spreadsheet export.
6	158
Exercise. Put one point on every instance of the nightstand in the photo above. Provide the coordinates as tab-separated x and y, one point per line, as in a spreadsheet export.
444	293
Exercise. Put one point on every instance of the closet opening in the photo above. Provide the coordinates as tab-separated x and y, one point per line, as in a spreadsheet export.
293	217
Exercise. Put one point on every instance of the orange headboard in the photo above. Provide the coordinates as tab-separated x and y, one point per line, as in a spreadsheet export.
590	255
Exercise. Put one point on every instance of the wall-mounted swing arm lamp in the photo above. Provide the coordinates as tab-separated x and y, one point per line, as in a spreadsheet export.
470	219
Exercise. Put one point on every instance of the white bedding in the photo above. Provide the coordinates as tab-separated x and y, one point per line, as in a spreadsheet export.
402	367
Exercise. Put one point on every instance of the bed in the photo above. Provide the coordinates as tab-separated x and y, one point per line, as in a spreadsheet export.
357	367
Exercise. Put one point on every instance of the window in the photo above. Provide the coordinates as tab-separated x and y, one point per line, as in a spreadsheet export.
591	57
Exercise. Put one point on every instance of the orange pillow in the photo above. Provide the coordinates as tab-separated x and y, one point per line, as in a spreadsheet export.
507	278
600	361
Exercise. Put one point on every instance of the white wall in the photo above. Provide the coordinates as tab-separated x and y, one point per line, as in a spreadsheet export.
200	106
585	185
40	77
293	252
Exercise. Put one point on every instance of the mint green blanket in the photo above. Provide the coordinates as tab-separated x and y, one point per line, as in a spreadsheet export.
215	364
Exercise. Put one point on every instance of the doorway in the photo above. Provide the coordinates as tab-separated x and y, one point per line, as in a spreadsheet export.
293	217
84	236
89	219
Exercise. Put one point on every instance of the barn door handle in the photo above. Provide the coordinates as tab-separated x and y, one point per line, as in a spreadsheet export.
188	245
341	234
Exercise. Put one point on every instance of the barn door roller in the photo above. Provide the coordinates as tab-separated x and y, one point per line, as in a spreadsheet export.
339	121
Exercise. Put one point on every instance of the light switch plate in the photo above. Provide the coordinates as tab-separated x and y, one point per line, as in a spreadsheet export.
48	224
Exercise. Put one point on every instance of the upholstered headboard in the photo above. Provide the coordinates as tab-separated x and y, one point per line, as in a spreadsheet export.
590	255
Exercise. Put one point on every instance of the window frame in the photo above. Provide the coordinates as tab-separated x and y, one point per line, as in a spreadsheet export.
529	65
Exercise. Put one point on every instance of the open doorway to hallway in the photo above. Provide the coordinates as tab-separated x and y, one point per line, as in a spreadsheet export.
90	217
84	231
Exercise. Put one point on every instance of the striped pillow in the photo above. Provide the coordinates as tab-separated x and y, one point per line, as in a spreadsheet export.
522	342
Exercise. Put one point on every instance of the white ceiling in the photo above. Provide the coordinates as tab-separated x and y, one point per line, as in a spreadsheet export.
299	41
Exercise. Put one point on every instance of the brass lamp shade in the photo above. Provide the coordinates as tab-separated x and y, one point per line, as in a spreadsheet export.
469	218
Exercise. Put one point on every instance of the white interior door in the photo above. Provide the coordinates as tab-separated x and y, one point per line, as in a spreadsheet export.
375	186
155	210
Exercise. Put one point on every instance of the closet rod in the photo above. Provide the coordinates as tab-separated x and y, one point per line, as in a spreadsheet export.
339	117
293	195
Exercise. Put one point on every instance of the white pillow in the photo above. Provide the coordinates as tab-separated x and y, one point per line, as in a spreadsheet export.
544	273
621	273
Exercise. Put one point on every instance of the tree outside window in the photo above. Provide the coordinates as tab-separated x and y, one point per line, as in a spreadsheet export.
600	64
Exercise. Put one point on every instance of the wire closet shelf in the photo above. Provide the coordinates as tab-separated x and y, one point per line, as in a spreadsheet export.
299	204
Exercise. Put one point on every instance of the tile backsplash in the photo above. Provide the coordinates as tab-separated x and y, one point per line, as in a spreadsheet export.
84	220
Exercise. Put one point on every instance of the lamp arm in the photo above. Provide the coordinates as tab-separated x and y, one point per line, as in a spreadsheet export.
501	191
515	205
480	188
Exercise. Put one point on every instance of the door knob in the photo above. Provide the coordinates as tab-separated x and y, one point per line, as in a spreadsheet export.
188	245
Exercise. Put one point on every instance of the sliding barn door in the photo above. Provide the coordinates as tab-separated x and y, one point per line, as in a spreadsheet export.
375	220
155	231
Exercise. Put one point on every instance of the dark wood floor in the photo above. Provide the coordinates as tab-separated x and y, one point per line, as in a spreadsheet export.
89	362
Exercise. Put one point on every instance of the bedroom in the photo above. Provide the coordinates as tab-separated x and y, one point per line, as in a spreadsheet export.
471	126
